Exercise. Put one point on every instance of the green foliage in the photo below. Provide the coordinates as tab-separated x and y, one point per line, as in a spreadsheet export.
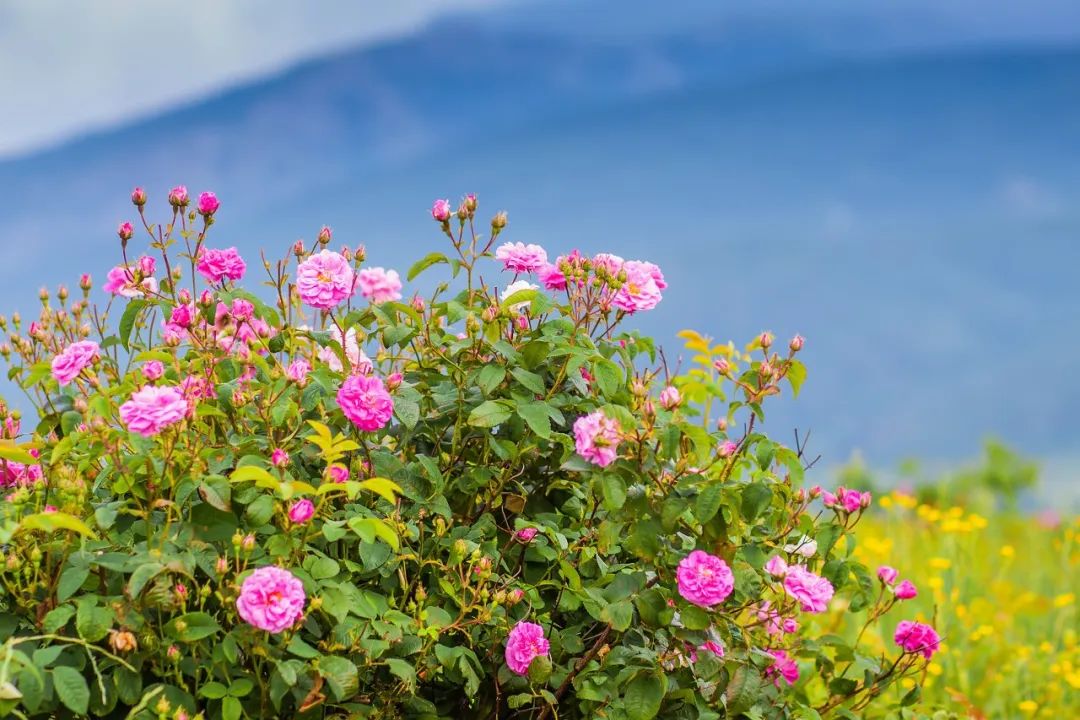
122	599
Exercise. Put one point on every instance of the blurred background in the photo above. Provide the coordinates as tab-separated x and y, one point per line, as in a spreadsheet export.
898	181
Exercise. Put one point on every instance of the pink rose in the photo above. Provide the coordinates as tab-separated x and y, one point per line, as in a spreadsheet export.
703	579
152	409
812	591
728	448
298	371
670	397
520	257
138	197
525	643
75	358
125	231
153	370
279	458
338	473
220	265
271	599
121	281
208	204
776	566
887	574
916	637
784	666
525	535
379	285
365	401
441	211
242	309
178	196
715	648
325	280
906	590
596	438
639	291
551	277
301	511
182	316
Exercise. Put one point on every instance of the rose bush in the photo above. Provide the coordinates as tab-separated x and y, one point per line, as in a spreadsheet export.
320	500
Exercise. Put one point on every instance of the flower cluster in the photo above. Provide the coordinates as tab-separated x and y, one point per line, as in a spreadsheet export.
312	496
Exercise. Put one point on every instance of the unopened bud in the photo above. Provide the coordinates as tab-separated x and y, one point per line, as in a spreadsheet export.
722	366
470	202
499	221
298	248
138	197
325	235
222	566
249	543
393	381
796	343
765	339
85	282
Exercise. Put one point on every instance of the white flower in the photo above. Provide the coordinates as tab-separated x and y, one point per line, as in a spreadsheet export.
515	287
806	546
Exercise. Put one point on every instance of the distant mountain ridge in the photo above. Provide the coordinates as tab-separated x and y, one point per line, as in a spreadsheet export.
913	216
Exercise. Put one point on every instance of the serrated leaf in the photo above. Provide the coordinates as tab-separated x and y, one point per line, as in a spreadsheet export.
489	378
490	413
529	380
614	490
72	689
71	579
341	675
708	502
644	695
535	414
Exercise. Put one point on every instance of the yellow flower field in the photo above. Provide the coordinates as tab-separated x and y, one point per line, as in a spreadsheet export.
1002	591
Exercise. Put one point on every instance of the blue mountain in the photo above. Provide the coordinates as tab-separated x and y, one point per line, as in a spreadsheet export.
910	212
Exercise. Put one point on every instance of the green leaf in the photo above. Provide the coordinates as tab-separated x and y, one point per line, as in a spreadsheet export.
341	675
425	262
91	621
608	376
755	497
127	320
71	579
796	375
407	411
535	414
252	472
614	490
489	378
530	380
383	487
695	618
618	614
231	709
708	502
490	413
741	690
14	453
213	691
644	695
192	626
57	618
51	522
72	689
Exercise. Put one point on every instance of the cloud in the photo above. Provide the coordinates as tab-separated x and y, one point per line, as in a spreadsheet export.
1028	198
69	66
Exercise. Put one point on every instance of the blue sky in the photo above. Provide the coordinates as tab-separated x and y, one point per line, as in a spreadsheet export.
73	66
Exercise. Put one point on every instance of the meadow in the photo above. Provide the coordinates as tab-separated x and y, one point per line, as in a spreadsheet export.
1001	588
